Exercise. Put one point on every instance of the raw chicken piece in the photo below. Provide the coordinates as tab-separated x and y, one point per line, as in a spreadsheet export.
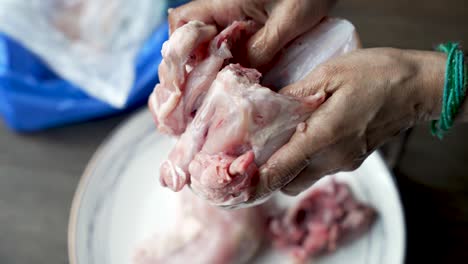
323	219
191	59
239	125
202	233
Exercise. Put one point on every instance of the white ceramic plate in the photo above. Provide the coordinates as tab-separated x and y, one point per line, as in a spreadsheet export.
119	202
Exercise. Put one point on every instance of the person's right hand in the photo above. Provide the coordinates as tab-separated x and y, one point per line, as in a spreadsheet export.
281	20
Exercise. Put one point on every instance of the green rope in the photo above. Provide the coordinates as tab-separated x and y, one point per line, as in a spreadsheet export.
454	88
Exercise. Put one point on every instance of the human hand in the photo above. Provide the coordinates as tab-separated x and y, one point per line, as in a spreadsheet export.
281	20
372	95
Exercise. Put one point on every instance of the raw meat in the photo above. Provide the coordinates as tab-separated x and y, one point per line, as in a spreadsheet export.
191	59
202	233
323	219
239	125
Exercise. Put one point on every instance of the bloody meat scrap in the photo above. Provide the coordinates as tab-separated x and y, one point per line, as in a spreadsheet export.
325	218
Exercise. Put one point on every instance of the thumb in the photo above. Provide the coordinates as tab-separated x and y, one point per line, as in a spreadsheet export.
286	21
282	167
307	143
285	164
281	27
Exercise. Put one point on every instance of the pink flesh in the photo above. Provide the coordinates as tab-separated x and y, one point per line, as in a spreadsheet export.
191	59
238	126
238	123
232	236
325	218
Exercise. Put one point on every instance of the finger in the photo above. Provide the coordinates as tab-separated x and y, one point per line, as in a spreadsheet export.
256	10
314	172
196	10
345	155
324	163
325	139
306	178
286	21
304	88
323	78
287	162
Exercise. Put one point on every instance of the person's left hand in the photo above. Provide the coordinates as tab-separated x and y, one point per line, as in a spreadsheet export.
372	95
281	21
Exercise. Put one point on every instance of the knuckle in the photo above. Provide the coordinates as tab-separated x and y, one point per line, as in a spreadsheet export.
276	178
272	38
325	133
173	17
327	70
356	162
325	76
173	13
360	158
300	151
255	9
343	159
352	166
181	15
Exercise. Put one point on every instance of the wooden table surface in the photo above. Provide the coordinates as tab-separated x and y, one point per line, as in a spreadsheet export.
39	172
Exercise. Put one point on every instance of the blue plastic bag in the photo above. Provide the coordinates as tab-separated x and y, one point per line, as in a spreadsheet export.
32	97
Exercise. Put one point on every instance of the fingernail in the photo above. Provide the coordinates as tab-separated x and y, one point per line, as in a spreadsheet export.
319	95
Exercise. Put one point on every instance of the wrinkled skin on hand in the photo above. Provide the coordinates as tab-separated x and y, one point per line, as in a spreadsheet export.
281	20
372	95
